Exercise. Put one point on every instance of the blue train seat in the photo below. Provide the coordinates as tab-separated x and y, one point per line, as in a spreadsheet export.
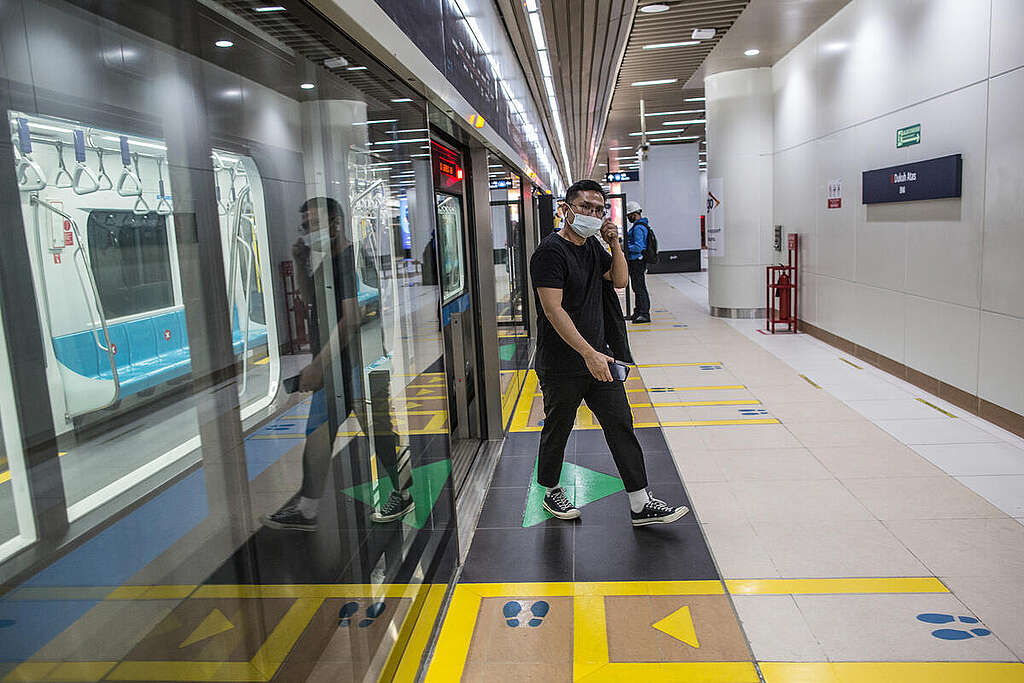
149	351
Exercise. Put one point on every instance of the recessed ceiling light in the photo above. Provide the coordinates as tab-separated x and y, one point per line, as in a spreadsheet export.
224	43
335	62
703	33
268	8
616	149
306	86
752	52
356	68
402	99
694	99
654	9
682	43
659	81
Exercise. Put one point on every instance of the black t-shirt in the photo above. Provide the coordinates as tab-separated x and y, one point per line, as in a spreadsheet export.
578	271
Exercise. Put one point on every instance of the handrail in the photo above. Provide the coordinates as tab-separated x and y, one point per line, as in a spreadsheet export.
103	172
236	240
62	170
98	305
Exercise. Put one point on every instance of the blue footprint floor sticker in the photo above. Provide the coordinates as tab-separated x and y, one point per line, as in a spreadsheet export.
349	610
524	613
953	633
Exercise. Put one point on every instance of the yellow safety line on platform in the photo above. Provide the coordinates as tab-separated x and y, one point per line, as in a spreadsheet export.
721	423
403	662
932	405
923	584
521	416
670	389
262	361
851	363
895	672
676	365
6	475
810	381
676	404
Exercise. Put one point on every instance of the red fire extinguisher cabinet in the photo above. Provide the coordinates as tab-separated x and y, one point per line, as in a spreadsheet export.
781	289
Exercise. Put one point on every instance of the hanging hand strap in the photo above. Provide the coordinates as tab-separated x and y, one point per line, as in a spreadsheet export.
83	181
128	185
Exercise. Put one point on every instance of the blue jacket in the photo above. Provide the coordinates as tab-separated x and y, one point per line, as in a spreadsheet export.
636	240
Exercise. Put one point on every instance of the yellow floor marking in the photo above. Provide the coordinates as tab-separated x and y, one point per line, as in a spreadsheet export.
897	672
452	647
60	671
932	405
691	672
810	381
262	361
151	592
676	365
677	404
924	584
851	363
214	624
409	663
320	591
720	423
711	388
680	626
521	416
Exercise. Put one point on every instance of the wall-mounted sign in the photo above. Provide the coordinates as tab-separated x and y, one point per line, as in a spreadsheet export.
932	179
835	193
500	183
911	135
716	217
623	177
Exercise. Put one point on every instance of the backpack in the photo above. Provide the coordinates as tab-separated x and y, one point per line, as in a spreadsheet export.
650	254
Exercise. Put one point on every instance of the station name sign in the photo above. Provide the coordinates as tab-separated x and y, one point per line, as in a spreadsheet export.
500	183
623	177
931	179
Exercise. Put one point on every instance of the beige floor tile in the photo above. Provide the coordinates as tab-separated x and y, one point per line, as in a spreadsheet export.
939	497
841	433
715	502
875	461
776	630
700	393
688	376
822	500
698	465
770	464
738	551
748	437
950	547
683	438
886	628
790	393
813	549
812	411
998	602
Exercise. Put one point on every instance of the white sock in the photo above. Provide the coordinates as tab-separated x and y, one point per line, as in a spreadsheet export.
552	489
308	506
638	499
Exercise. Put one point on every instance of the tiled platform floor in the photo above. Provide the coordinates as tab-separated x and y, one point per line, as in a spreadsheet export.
822	535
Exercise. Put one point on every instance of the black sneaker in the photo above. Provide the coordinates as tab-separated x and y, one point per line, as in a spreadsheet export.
641	319
395	507
558	505
657	512
289	517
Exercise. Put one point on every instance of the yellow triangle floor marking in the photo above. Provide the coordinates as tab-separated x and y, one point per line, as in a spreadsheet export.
679	625
214	624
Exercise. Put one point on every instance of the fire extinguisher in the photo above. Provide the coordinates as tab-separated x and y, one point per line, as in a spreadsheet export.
782	293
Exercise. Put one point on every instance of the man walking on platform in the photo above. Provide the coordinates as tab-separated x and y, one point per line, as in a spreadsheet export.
569	270
636	243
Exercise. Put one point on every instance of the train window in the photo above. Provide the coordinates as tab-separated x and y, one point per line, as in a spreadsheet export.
449	226
130	261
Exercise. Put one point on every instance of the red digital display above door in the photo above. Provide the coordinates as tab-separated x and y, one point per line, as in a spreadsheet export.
448	173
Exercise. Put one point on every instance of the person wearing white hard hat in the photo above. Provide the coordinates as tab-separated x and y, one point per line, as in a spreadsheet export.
636	243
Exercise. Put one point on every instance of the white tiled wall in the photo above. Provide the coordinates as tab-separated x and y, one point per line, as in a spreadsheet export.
938	285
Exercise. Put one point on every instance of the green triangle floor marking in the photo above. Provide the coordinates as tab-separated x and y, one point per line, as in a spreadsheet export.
427	482
582	486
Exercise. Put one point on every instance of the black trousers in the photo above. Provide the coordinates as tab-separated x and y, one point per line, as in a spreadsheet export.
638	280
607	400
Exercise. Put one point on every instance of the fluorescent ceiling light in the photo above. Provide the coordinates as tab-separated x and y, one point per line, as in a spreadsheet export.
401	99
545	63
658	132
419	155
58	129
396	142
752	52
531	5
538	31
694	99
224	43
681	137
367	123
615	149
306	86
494	166
602	164
658	81
681	43
413	130
268	8
683	123
355	68
136	143
674	113
389	163
654	9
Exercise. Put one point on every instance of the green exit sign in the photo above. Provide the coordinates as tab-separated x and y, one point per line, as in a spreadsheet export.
911	135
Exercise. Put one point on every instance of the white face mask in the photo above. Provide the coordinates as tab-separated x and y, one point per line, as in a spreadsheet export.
586	226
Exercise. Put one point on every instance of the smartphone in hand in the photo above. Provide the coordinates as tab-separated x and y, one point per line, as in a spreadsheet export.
619	370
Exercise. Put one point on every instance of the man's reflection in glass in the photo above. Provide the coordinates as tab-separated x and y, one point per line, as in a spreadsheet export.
309	252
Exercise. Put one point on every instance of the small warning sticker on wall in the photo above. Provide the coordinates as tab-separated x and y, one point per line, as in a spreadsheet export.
835	193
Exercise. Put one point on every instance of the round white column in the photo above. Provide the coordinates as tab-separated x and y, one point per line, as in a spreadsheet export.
739	133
